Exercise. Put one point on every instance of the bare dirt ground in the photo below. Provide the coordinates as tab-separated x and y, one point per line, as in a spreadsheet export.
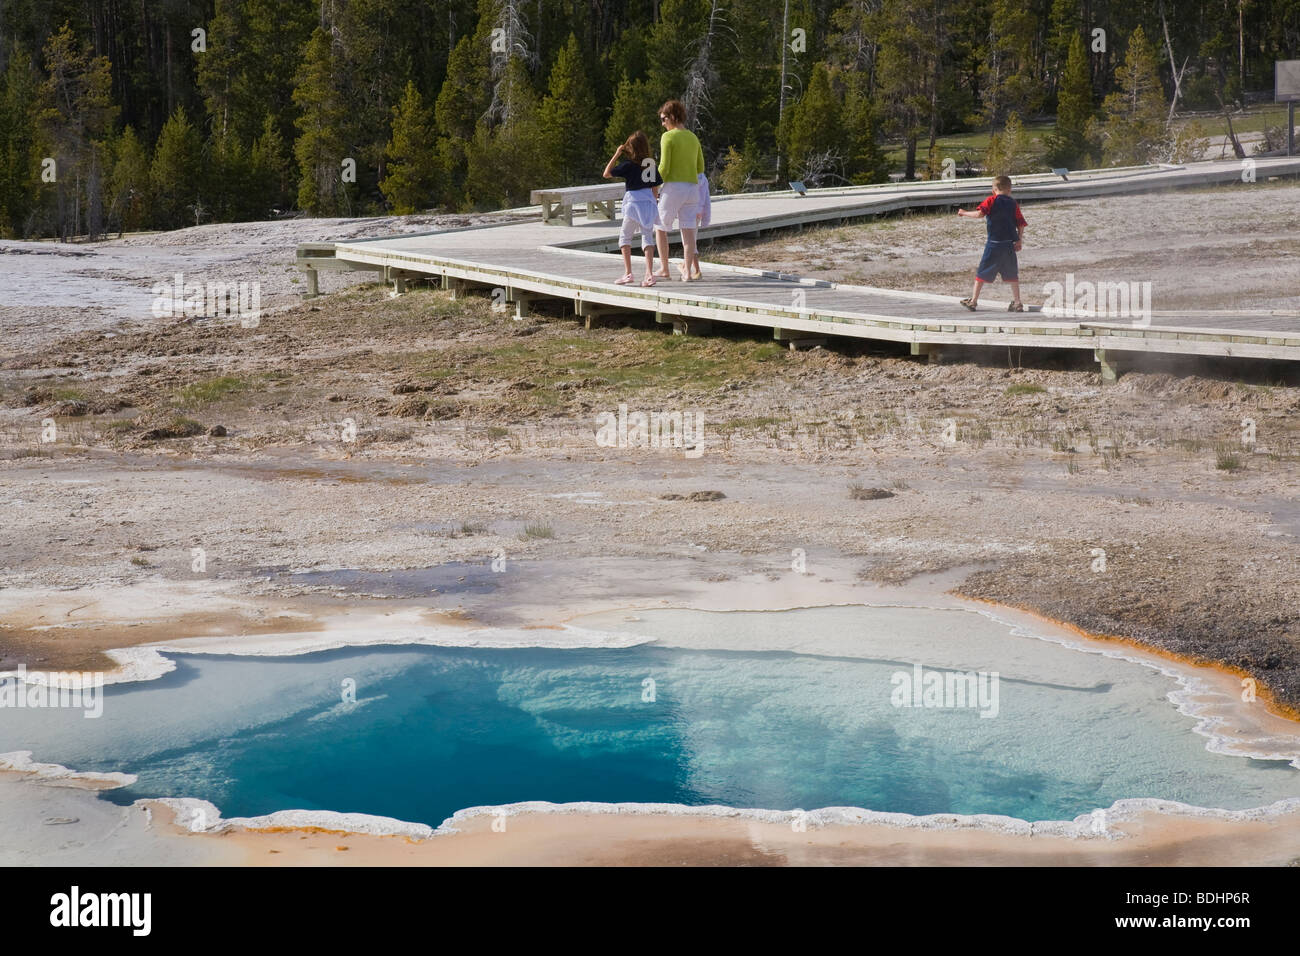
475	435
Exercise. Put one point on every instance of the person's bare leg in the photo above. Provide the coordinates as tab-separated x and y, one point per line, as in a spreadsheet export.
975	295
1015	289
688	251
627	259
649	251
661	240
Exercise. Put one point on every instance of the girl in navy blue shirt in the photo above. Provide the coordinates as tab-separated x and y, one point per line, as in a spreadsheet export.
640	203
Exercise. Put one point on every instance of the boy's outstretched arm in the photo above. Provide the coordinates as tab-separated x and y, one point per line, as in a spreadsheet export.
971	213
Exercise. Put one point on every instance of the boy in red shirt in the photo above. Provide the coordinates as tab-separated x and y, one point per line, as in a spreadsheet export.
1006	229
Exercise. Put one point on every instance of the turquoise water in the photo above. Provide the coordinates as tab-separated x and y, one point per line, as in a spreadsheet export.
434	730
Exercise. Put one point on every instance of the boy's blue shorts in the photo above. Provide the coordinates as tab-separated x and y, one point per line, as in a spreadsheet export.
999	258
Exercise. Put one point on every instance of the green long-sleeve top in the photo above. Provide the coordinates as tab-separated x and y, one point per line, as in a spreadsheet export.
680	157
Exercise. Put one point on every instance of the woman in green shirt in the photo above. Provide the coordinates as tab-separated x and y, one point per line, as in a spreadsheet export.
681	160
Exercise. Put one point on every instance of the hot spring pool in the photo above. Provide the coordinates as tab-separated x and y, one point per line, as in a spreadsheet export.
690	718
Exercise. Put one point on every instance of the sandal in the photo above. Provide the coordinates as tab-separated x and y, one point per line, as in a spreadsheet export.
1016	307
648	281
626	280
697	276
969	304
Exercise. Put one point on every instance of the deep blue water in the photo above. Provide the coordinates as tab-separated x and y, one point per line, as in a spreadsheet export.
435	730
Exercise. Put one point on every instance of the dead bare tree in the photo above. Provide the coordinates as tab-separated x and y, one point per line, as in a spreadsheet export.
1176	71
702	75
509	40
816	168
1237	149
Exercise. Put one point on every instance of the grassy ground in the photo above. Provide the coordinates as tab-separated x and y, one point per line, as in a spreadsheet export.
959	146
1253	120
962	145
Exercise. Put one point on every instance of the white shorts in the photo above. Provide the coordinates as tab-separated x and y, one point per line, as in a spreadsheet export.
679	201
640	214
630	228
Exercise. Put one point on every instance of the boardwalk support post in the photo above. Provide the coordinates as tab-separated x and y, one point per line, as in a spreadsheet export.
314	257
1110	366
455	286
683	325
797	340
593	315
522	301
930	350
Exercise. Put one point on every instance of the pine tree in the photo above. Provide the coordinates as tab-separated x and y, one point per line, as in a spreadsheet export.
1134	128
411	154
814	136
853	41
222	70
20	183
1009	151
626	56
670	48
78	114
129	189
1069	145
373	64
634	109
866	161
739	168
746	101
569	117
508	160
276	33
913	36
321	146
1066	22
228	175
465	96
271	169
1010	79
174	174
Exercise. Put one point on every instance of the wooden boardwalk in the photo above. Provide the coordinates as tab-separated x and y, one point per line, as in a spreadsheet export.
525	261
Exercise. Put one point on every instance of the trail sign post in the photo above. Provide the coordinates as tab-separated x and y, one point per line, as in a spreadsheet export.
1286	89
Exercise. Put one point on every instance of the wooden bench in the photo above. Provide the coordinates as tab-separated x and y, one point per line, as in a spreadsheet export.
557	204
